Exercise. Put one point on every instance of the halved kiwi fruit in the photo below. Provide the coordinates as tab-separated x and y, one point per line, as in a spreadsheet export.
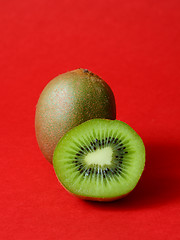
100	160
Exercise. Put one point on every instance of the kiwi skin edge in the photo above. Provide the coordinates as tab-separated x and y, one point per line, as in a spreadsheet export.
67	101
101	199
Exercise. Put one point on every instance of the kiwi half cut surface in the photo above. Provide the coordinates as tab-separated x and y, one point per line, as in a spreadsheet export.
100	160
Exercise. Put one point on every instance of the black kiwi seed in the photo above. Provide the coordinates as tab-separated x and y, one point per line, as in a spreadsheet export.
80	168
112	171
104	174
117	171
87	172
107	170
94	144
116	140
120	149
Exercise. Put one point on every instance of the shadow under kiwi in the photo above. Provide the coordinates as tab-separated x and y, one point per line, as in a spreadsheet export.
158	185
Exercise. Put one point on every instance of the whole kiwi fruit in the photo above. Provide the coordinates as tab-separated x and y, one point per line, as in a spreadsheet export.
67	101
100	160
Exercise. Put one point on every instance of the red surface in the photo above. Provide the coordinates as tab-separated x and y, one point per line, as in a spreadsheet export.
134	46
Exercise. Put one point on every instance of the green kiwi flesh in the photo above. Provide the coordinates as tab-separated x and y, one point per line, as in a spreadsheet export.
67	101
100	160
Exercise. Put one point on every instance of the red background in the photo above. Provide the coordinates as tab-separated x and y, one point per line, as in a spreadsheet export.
134	45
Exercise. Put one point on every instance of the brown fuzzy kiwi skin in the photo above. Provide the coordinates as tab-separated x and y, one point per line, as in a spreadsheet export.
67	101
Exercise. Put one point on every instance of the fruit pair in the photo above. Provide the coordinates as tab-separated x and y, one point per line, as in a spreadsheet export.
96	159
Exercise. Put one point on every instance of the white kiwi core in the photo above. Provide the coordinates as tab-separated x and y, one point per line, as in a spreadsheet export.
101	156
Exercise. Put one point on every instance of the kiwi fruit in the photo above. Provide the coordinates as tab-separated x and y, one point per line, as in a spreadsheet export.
100	160
67	101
